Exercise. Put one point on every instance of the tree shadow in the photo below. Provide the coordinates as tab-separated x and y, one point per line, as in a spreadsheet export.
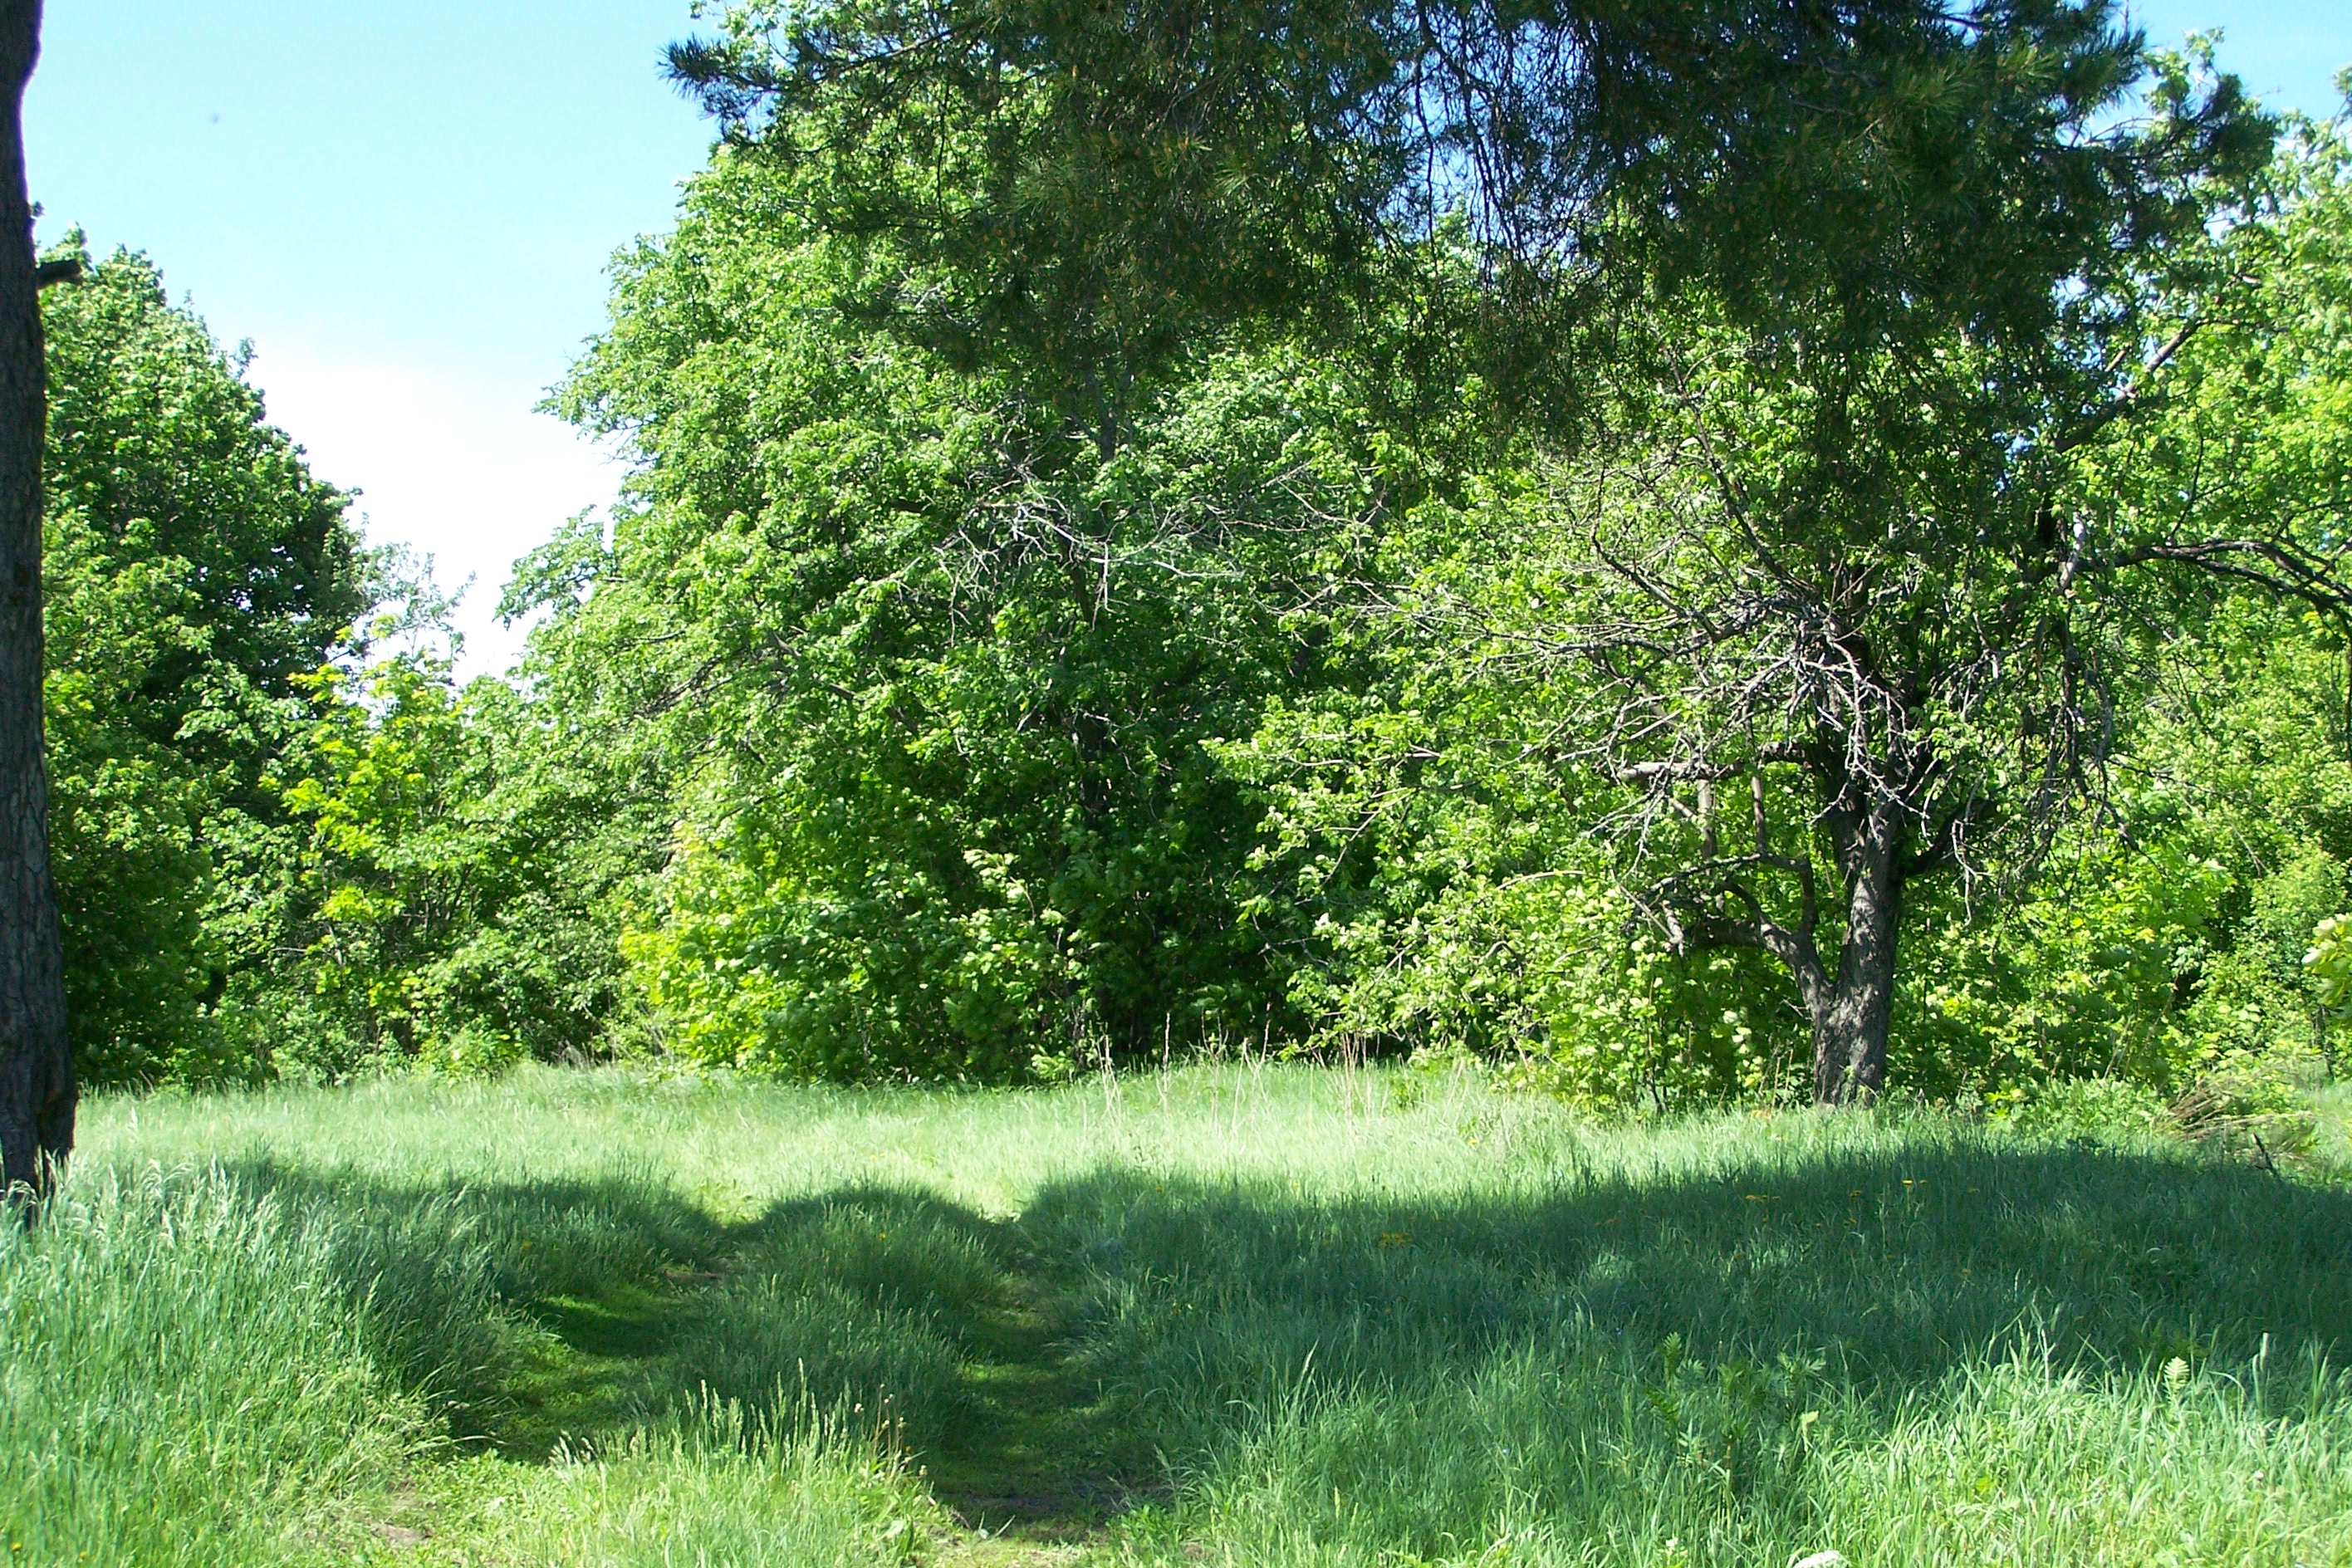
1049	1370
530	1314
1899	1265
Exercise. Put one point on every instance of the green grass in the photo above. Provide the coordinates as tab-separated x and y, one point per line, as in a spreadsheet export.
1226	1315
2331	1142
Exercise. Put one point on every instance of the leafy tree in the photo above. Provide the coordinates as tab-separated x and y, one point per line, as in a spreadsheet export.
2170	946
934	664
455	900
197	574
1884	272
1986	602
2232	762
275	858
1467	888
1573	534
1077	195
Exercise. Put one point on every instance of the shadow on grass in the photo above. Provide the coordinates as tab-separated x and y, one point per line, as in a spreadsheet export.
1052	1369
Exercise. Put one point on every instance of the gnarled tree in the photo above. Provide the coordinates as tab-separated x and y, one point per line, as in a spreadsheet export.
1839	617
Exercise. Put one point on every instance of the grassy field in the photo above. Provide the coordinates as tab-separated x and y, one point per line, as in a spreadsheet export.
1231	1315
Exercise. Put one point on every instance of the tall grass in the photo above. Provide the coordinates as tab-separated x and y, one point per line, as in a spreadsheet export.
706	1486
183	1373
1237	1314
199	1368
1548	1455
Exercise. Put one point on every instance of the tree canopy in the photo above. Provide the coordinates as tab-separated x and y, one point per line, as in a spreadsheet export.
1701	550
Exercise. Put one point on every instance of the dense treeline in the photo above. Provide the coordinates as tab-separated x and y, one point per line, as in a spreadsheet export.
1028	643
197	577
285	845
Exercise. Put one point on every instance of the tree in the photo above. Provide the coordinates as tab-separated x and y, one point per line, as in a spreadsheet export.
38	1088
1823	626
1081	192
1805	309
458	894
196	573
933	661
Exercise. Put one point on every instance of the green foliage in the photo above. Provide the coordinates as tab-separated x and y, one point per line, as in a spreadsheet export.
2329	961
1150	535
934	674
1462	868
270	858
1086	193
195	572
2105	1109
1455	821
456	894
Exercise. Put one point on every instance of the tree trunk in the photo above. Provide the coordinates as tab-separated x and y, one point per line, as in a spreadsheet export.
1850	1031
37	1092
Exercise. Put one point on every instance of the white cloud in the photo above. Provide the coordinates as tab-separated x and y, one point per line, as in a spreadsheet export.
452	463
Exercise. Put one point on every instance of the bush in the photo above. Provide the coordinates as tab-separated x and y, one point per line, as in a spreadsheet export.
2102	1110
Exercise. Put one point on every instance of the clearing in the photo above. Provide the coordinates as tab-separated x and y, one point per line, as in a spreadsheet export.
1230	1314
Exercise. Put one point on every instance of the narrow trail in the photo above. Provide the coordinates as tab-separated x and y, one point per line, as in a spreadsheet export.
1033	1478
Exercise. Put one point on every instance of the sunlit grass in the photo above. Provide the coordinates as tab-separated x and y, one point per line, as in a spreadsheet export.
1235	1314
2331	1142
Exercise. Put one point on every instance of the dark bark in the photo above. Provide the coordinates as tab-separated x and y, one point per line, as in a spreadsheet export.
1850	1020
37	1092
1850	1008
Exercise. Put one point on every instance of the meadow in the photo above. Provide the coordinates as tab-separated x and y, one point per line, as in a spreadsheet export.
1229	1314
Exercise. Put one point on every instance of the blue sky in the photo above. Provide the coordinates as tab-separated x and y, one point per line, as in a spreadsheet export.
408	205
